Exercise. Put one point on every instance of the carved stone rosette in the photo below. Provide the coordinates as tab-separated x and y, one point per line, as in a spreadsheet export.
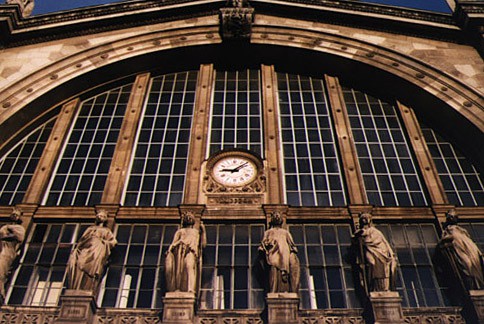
236	23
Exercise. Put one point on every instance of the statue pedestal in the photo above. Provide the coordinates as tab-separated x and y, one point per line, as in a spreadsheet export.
477	300
387	307
179	307
77	306
282	308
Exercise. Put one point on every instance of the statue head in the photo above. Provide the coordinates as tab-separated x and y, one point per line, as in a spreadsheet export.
15	215
102	217
187	218
365	219
276	219
451	217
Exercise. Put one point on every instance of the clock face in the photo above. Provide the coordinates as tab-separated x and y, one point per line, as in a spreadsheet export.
234	171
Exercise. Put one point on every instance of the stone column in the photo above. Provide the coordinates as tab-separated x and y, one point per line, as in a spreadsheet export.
118	170
77	307
477	301
387	307
424	158
282	308
45	167
199	138
178	307
349	158
272	140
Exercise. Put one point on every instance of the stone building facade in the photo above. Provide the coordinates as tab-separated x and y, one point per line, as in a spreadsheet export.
339	107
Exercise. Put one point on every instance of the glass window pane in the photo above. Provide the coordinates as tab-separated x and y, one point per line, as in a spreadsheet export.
18	165
85	163
159	162
389	172
233	125
462	181
305	136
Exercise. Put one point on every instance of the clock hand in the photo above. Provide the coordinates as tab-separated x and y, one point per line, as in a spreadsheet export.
237	169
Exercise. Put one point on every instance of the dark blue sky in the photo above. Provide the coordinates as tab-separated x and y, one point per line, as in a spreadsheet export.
46	6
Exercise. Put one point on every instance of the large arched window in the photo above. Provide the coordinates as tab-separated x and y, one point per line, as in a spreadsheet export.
313	181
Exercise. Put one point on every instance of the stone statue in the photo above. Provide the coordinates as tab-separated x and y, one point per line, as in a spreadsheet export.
380	260
11	237
462	253
281	255
89	258
182	264
26	6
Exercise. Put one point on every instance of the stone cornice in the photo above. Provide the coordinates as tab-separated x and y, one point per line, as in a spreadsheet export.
15	31
353	7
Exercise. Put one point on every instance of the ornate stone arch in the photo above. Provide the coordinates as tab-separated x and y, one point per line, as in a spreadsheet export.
25	92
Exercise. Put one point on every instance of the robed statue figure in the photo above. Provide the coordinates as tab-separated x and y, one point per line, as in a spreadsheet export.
182	264
11	237
464	256
281	256
379	260
89	258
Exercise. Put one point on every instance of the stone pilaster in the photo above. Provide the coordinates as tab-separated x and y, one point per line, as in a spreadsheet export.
198	140
349	158
282	308
118	171
387	307
45	167
424	158
272	139
179	307
77	307
477	301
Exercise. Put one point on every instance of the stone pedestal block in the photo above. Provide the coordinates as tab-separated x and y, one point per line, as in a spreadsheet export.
477	299
77	307
387	307
282	308
179	307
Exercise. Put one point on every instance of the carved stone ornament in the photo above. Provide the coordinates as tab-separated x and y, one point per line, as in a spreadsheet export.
236	20
280	253
11	237
379	262
234	171
26	6
89	258
183	258
462	253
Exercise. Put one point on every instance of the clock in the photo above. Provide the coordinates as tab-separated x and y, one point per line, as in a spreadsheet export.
234	170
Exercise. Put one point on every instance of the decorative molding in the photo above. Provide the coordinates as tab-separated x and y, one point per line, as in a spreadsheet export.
333	320
16	30
48	315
